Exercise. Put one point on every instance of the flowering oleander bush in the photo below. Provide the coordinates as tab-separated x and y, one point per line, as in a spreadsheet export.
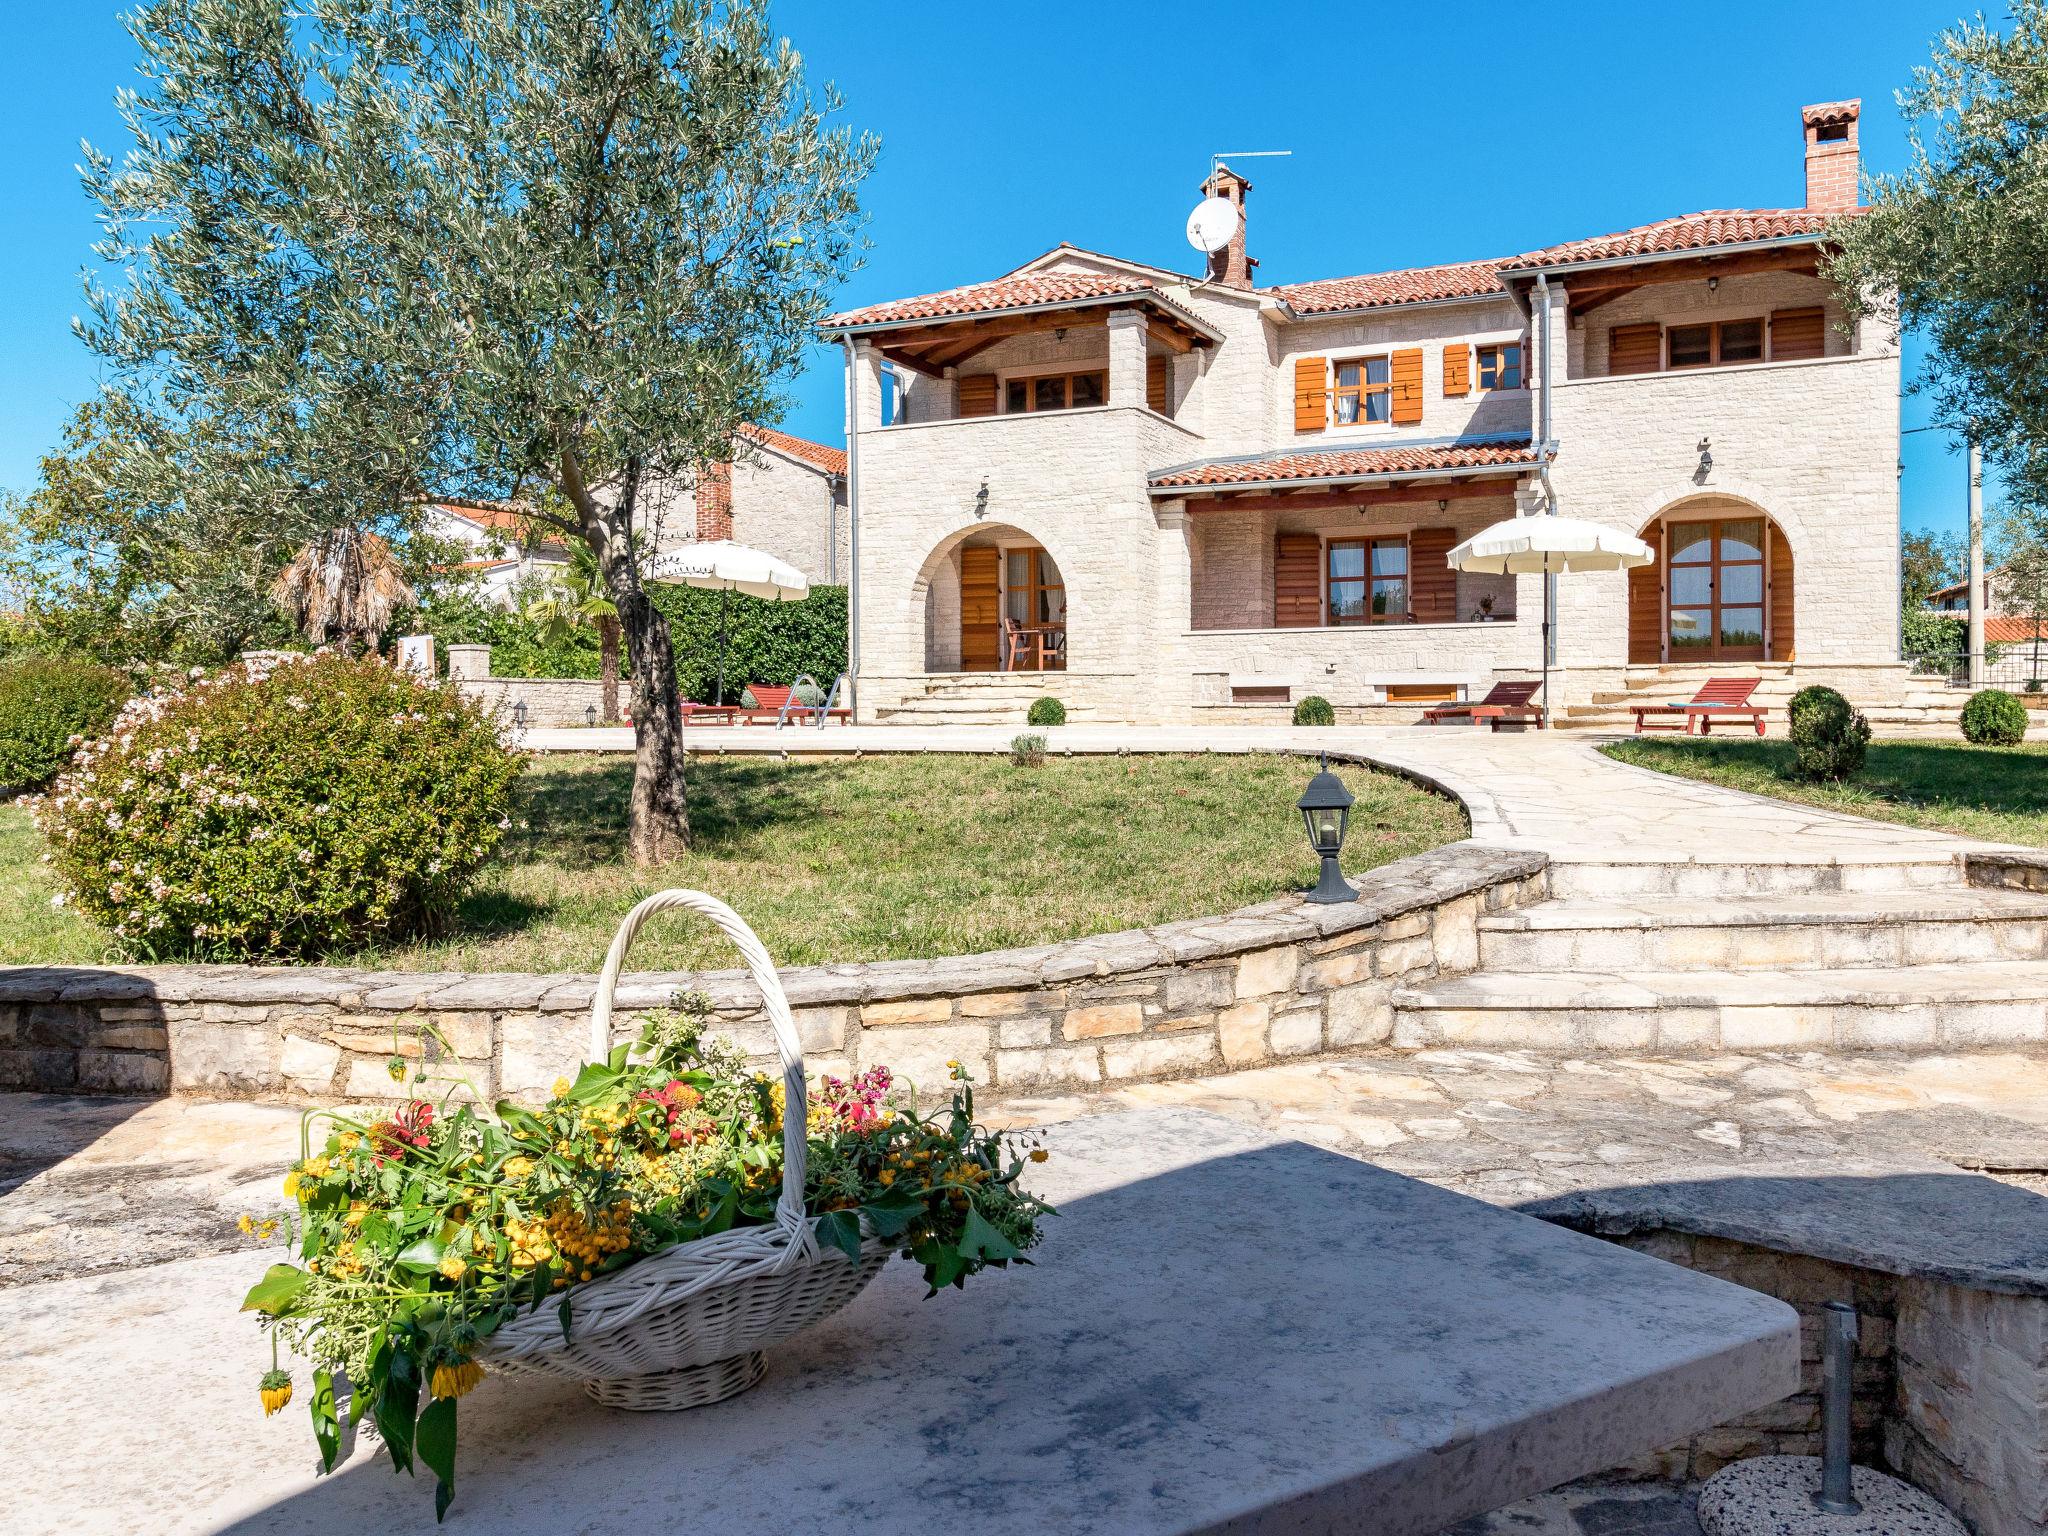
420	1233
279	811
48	706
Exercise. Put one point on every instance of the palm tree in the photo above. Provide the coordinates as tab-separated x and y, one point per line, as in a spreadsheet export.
575	598
345	582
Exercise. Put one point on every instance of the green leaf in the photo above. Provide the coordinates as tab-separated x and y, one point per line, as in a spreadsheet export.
436	1443
274	1294
593	1083
979	1240
426	1253
326	1423
893	1219
841	1230
394	1411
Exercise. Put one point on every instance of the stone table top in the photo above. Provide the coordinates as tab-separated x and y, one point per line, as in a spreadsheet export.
1226	1330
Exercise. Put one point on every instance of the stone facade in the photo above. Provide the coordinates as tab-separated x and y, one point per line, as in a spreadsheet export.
767	499
1170	598
1278	980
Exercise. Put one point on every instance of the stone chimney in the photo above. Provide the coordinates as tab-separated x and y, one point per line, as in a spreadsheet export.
714	501
1230	266
1832	160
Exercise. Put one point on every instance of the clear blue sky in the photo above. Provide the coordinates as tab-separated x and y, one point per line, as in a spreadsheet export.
1420	134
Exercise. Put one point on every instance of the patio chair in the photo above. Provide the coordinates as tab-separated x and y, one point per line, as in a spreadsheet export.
1726	697
1503	701
769	703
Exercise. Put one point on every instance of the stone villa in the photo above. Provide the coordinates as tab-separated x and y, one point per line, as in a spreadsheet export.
1202	497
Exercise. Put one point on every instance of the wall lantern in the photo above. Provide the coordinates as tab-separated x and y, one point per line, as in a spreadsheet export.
1706	457
590	714
1325	808
981	499
519	715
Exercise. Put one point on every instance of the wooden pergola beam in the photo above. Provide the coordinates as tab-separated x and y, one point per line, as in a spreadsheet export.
1803	259
1404	494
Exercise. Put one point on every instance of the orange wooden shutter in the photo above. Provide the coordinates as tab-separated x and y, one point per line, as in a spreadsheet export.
980	607
1155	384
1635	349
1432	584
1407	370
1297	581
1782	635
1645	616
978	395
1457	368
1311	394
1797	333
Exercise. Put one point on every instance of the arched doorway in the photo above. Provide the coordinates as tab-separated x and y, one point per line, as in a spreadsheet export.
995	600
1721	589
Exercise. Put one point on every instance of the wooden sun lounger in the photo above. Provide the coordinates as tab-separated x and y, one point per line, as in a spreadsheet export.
1503	701
710	714
1726	697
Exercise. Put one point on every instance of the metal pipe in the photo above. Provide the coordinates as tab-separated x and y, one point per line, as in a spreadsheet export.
852	529
1976	625
1837	1364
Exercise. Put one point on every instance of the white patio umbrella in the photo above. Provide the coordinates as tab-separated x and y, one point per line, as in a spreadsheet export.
720	565
1547	545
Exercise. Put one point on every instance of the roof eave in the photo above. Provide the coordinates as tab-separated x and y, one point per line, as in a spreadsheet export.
1691	253
1383	477
1050	306
1305	316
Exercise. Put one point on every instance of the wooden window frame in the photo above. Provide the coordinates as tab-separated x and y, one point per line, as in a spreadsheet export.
1365	390
1713	329
1367	543
1030	381
1480	352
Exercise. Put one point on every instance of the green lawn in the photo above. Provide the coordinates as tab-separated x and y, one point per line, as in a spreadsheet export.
856	859
1996	793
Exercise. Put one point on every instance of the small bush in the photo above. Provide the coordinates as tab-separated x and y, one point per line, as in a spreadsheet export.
1027	749
1994	718
1046	711
1314	710
325	804
46	703
1829	738
806	692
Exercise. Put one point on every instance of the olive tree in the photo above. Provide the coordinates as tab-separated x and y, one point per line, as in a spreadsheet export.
399	250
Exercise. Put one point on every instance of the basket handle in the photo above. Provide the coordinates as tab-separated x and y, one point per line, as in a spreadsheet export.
789	1209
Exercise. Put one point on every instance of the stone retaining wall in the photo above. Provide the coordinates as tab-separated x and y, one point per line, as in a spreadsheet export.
1950	1388
1280	979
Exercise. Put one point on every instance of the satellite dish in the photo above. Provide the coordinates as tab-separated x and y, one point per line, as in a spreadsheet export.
1212	224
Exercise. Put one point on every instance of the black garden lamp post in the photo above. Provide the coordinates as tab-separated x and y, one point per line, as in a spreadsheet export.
1326	809
519	714
590	715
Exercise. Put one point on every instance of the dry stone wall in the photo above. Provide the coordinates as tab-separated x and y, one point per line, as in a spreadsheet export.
1277	980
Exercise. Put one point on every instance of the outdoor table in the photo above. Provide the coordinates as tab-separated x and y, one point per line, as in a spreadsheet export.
1224	1332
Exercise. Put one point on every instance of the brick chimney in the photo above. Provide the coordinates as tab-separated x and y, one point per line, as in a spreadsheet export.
714	501
1230	266
1832	161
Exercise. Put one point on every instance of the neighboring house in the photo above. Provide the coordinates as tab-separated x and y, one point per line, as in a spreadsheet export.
2006	617
1200	494
504	549
781	493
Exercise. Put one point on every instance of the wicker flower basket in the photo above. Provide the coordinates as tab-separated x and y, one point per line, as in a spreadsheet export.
687	1326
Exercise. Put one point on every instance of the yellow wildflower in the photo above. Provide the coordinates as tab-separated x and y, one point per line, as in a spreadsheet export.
518	1167
357	1210
244	1224
1039	1154
453	1268
291	1182
454	1380
562	1087
276	1390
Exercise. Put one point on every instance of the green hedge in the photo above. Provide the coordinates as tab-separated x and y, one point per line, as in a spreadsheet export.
46	701
772	643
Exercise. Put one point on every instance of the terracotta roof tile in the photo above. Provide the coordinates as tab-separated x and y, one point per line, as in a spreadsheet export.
1413	285
1348	463
1822	113
1017	292
2010	629
1687	232
818	455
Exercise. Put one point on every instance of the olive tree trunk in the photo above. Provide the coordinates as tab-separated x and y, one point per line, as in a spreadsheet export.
608	666
658	828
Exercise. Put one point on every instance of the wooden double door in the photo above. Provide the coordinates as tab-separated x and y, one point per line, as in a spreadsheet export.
1013	610
1721	590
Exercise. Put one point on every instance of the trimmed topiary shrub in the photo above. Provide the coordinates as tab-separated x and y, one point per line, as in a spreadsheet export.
1046	711
46	704
325	804
1829	738
1314	710
1994	718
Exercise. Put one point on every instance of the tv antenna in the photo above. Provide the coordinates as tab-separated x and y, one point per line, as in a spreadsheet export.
1214	221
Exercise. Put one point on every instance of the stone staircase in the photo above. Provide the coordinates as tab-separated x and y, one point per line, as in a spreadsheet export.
1928	704
979	698
1903	954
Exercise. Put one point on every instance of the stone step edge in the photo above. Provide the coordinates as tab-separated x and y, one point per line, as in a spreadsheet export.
1594	991
1855	912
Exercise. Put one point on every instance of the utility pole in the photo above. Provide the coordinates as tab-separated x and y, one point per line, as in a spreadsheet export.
1976	631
